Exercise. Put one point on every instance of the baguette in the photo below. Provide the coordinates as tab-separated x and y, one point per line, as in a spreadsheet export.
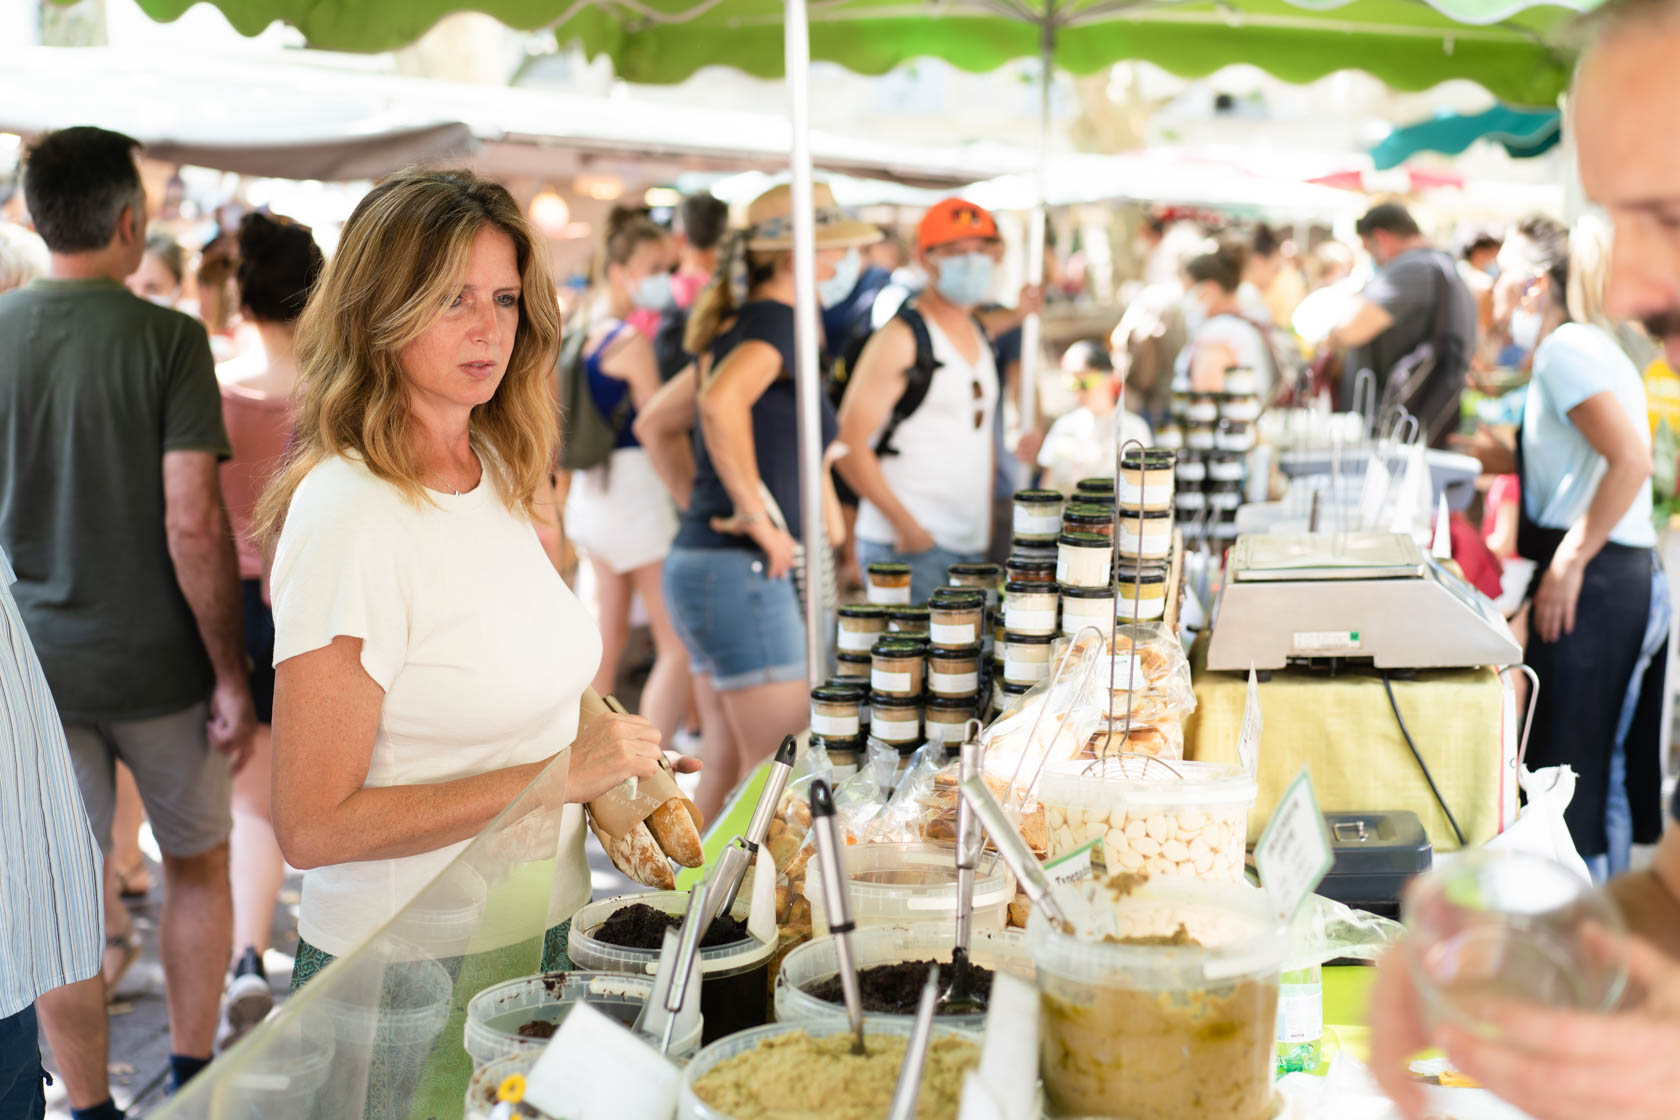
637	854
676	832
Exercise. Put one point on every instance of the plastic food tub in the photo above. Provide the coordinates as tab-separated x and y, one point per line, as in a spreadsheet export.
1160	1031
911	884
735	988
1154	818
815	961
691	1107
487	1079
495	1015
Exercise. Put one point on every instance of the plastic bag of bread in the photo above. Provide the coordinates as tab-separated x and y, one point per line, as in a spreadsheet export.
1049	726
1142	674
788	828
903	819
857	801
1114	738
936	811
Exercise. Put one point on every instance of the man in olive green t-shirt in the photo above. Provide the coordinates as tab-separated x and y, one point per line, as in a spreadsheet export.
110	509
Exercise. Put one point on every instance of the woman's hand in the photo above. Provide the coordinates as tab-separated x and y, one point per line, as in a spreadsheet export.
1555	601
777	544
611	748
913	540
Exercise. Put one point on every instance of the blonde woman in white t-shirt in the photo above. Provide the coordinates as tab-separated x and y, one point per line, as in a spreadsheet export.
429	660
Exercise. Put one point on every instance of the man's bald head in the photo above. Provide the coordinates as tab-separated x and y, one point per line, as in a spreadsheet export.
1624	107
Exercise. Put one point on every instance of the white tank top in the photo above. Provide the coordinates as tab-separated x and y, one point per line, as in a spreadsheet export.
942	473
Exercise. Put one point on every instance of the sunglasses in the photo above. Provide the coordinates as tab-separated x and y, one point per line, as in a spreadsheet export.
979	404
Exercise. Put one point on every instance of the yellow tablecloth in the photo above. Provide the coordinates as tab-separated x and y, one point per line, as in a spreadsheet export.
1344	730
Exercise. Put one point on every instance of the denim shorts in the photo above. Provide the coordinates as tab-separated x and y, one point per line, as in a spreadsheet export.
741	627
927	569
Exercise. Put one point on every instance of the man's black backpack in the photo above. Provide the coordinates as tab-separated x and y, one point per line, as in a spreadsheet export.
918	378
586	436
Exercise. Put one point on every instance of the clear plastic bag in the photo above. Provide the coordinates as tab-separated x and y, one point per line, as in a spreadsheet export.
1327	930
792	822
1142	675
903	819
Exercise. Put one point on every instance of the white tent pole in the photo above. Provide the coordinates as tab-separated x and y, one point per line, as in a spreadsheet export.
807	380
1037	230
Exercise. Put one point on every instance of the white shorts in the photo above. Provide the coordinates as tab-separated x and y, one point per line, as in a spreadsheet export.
621	514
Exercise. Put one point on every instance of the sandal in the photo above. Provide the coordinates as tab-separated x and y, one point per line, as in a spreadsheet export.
128	946
135	883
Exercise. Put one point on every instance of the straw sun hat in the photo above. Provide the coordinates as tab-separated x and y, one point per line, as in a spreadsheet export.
770	221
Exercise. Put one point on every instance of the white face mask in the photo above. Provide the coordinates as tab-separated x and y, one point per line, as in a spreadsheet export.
654	292
1525	329
837	287
1194	311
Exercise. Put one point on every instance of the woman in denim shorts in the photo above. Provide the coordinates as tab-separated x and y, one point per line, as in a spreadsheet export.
728	578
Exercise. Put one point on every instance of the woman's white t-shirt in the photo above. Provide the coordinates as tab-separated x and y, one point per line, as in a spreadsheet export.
481	648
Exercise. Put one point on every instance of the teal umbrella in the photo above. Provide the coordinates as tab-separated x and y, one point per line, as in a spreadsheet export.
1524	133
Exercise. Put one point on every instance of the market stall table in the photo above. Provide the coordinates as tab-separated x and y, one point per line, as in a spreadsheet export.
1343	729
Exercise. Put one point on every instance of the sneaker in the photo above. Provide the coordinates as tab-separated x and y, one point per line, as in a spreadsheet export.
247	1001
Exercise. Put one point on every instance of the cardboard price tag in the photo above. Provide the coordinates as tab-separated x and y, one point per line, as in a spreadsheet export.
1248	740
1084	862
1294	852
596	1069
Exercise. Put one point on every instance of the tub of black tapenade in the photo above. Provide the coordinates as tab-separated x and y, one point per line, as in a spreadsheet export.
623	934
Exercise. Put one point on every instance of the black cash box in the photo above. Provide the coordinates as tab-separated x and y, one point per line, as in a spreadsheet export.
1376	856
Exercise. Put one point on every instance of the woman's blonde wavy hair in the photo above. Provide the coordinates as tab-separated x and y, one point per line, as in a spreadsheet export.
399	262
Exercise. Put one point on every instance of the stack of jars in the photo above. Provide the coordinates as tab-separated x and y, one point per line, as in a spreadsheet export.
1218	431
908	673
1143	539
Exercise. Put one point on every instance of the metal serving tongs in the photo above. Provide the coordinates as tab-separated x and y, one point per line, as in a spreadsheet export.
1012	848
909	1085
960	998
837	903
688	944
730	870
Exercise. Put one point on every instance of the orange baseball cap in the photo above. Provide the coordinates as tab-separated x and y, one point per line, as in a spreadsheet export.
954	220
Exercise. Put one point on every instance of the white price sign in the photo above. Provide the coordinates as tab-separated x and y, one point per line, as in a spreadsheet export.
1248	740
1294	852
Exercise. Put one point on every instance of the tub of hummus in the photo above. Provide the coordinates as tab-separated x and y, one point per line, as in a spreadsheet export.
1169	1013
795	1071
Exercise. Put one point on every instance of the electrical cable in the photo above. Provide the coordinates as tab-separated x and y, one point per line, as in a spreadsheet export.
1427	776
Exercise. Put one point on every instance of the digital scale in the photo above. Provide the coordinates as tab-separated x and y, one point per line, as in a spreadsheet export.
1365	597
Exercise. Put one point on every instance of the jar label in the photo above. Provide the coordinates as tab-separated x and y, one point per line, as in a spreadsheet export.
945	732
953	684
1028	622
1131	494
882	681
1143	610
851	641
834	727
1015	669
1300	1013
896	730
1030	524
889	596
954	635
1129	543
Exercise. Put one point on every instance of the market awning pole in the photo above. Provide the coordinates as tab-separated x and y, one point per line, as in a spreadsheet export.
1036	234
807	383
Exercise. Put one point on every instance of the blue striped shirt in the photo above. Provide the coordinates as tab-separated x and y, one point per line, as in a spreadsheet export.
51	924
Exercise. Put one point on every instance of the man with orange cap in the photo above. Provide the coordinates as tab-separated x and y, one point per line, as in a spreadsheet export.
919	409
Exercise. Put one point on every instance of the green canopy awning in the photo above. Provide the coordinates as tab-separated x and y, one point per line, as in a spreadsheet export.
1508	46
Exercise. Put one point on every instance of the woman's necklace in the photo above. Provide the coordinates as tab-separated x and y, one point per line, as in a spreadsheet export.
441	479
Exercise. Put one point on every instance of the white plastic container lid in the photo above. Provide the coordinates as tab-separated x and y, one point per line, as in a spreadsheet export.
1136	781
589	953
530	996
905	884
1238	936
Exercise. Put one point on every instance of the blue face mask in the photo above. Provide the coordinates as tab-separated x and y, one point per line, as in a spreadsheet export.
654	292
966	280
837	287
